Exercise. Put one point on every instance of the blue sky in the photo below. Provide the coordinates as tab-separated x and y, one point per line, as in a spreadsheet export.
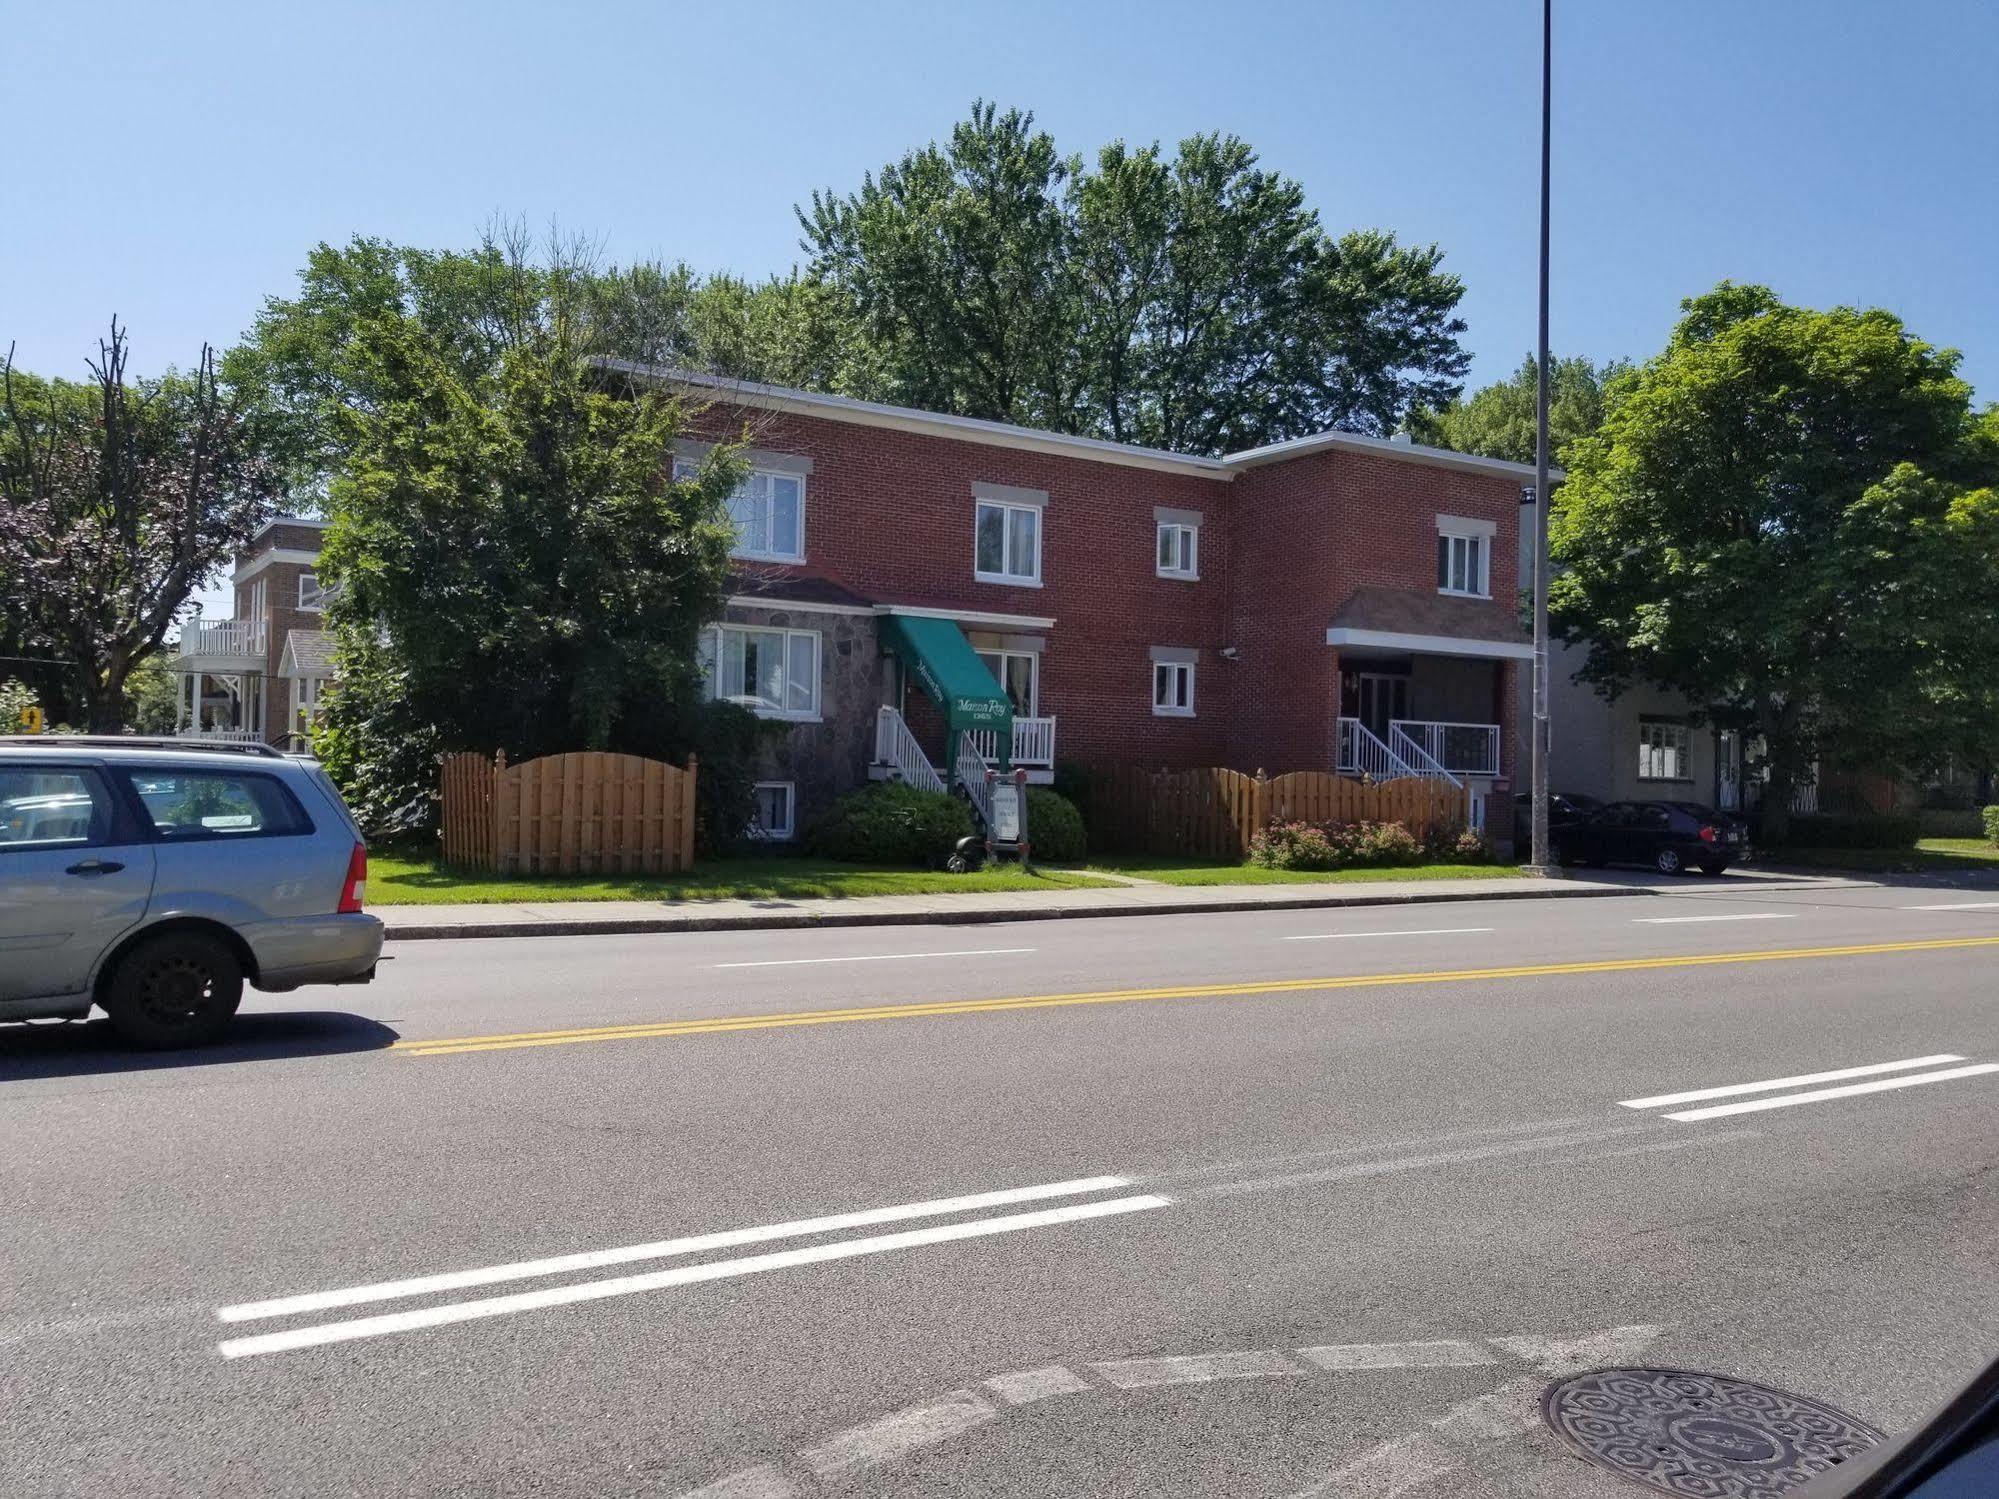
174	163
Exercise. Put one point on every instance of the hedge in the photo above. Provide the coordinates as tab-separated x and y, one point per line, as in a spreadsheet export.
1054	827
890	823
1991	816
1869	830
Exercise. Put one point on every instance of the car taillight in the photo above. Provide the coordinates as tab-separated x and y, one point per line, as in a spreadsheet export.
1710	833
357	880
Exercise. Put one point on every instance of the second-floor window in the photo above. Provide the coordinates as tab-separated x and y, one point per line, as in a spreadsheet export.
1464	561
1007	543
775	672
768	513
1179	550
311	595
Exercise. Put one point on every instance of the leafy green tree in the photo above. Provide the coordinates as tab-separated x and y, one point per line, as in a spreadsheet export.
516	565
117	501
152	694
955	261
1192	303
1788	515
1498	420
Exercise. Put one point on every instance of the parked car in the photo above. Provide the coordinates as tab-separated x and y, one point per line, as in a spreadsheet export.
154	880
1564	807
1671	837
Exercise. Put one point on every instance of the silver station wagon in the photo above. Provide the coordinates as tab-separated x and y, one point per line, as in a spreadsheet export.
153	880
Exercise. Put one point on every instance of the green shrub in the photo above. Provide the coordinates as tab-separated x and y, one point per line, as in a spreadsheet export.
1054	827
1991	816
890	823
1293	845
1455	843
1858	830
1335	845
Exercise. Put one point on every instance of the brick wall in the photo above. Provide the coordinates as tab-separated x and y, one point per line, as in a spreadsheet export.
281	613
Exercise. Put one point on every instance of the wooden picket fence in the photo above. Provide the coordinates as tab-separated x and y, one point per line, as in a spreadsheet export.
1212	813
582	813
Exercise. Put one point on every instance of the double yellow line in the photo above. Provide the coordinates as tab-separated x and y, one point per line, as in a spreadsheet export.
455	1045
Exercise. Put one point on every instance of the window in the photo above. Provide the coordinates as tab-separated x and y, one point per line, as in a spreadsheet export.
1173	689
775	672
1663	750
52	809
254	602
771	810
1019	675
310	595
1463	561
768	512
189	805
1008	543
1179	550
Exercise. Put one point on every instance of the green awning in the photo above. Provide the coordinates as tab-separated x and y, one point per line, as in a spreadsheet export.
943	663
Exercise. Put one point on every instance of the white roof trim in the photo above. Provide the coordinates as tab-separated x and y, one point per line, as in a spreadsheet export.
1429	645
971	616
767	601
928	423
290	520
1382	447
263	560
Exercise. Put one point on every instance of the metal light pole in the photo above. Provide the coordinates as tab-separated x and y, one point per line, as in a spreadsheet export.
1543	741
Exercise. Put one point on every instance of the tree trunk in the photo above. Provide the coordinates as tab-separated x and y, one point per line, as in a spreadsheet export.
104	700
1777	793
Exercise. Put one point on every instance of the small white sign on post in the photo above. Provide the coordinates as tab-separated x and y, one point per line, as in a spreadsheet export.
1006	812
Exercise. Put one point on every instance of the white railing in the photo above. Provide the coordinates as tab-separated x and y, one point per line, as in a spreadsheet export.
227	736
896	746
1465	748
1360	753
222	637
1033	741
971	774
1419	760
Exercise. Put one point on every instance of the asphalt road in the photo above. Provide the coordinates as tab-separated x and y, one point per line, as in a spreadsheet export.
1261	1204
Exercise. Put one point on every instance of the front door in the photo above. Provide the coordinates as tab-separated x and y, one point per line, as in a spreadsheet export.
1728	770
72	878
1382	697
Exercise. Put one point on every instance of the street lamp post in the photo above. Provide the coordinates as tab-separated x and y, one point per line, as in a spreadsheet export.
1543	741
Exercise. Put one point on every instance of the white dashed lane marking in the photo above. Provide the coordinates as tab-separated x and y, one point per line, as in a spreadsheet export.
1729	916
1195	1368
1775	1084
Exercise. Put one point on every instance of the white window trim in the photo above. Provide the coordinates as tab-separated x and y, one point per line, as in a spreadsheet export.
305	702
1472	533
1033	672
1682	751
1191	572
1168	710
1007	507
685	467
318	604
762	709
790	829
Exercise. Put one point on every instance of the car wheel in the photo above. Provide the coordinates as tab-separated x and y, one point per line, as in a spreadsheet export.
1560	857
174	990
1714	867
1669	862
958	864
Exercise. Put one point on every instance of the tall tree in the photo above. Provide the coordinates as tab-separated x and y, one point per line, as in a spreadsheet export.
117	501
1498	420
955	260
1788	515
516	564
1192	303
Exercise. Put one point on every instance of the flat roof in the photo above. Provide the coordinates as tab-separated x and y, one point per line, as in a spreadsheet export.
1033	439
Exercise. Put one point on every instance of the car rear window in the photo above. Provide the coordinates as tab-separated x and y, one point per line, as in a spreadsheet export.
183	805
52	809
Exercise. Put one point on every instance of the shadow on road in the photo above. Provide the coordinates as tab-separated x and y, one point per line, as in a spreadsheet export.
58	1049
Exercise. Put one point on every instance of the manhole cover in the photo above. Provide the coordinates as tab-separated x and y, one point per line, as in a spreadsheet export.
1701	1434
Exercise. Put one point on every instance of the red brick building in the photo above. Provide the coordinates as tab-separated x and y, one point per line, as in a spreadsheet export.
914	586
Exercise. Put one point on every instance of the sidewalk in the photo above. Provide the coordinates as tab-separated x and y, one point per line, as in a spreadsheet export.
604	918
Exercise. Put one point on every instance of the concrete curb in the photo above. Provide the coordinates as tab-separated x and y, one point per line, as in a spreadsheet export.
791	920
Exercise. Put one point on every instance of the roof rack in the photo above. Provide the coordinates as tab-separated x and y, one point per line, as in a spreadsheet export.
164	743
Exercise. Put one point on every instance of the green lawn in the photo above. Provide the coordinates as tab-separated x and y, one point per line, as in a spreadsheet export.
1176	871
1927	857
403	881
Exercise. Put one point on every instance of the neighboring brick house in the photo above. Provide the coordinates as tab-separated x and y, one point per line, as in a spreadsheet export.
258	674
921	595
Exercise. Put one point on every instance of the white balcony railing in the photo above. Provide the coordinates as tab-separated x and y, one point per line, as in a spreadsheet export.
896	746
1033	742
1362	754
1461	748
222	637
